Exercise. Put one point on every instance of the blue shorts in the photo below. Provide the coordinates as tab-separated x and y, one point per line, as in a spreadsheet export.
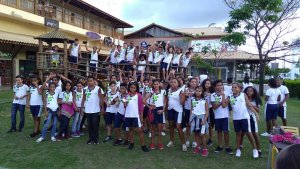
253	124
73	59
109	118
222	124
186	117
119	120
175	116
271	112
158	118
242	125
164	65
282	112
36	111
93	67
132	122
196	126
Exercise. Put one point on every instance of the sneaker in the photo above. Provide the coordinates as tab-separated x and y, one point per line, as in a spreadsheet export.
131	146
204	152
160	146
265	134
80	133
96	142
145	149
39	140
170	144
67	137
149	134
209	142
53	138
238	153
194	145
107	139
218	149
89	141
255	153
59	138
241	147
184	147
11	130
118	142
196	150
259	153
75	135
126	143
152	146
163	133
184	130
187	143
229	151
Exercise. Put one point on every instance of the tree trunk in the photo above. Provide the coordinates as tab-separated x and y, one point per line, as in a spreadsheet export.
262	65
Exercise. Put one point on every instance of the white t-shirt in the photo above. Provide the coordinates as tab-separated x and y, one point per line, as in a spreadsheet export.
158	57
176	59
122	55
121	107
142	68
130	54
168	58
20	91
185	61
158	98
174	100
273	94
207	97
239	108
188	104
132	108
94	58
228	89
254	104
220	112
111	108
147	90
74	50
198	106
66	97
283	91
92	100
36	99
150	57
78	97
52	101
112	56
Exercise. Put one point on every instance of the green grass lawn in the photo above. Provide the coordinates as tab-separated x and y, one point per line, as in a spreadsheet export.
17	150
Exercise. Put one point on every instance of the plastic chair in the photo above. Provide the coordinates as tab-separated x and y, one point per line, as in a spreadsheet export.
273	156
293	130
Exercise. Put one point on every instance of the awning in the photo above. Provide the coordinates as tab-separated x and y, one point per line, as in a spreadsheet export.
17	39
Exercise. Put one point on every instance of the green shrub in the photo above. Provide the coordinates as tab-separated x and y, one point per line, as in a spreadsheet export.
294	87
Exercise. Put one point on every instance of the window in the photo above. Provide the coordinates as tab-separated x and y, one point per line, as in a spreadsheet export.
72	17
12	3
92	25
27	5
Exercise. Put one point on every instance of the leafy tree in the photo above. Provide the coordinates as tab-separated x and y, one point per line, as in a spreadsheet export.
265	22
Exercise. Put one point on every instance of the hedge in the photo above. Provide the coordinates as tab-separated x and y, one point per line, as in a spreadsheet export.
294	87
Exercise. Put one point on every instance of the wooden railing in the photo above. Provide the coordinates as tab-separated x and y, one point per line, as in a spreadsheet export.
48	60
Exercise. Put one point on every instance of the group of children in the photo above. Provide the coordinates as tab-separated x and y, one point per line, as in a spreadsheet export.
198	106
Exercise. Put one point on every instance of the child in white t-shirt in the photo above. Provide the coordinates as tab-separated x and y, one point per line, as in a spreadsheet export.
78	114
284	95
21	91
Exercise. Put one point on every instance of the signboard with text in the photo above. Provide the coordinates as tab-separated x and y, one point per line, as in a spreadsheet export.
51	23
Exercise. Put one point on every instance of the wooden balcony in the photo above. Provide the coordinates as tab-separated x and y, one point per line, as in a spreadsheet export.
49	61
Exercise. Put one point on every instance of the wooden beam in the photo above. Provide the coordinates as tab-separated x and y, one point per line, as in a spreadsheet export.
14	53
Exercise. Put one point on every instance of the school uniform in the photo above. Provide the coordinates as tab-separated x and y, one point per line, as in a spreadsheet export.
119	116
111	110
282	110
19	105
74	53
133	109
77	116
67	111
157	99
211	116
175	108
130	58
271	108
187	109
147	90
36	101
94	61
92	109
52	108
221	114
241	118
198	115
166	61
176	60
253	119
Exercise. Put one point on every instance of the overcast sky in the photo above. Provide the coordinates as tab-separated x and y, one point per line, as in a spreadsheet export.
168	13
